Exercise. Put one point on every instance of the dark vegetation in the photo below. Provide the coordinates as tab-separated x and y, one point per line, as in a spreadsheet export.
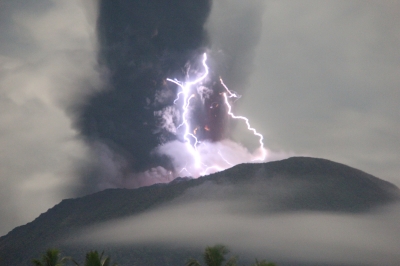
52	257
212	256
215	256
295	184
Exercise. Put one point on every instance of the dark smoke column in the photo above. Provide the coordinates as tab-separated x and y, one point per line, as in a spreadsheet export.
142	42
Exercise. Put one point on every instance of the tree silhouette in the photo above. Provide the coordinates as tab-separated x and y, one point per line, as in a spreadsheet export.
51	258
214	256
93	258
263	263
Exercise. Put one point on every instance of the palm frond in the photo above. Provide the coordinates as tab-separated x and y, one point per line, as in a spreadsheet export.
215	255
106	261
232	261
37	262
263	263
192	262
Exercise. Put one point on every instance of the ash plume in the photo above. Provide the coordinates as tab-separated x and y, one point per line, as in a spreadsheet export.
134	119
141	43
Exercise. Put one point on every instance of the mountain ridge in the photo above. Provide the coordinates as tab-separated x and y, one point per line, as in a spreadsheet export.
294	184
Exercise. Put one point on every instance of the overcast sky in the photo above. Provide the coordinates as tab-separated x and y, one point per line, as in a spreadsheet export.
326	82
319	78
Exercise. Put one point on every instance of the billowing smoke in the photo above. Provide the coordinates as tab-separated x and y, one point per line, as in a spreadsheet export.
134	125
48	65
141	44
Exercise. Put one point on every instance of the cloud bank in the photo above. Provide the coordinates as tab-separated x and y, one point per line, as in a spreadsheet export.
308	237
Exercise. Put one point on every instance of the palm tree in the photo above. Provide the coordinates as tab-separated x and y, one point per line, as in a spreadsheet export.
214	256
93	258
263	263
51	258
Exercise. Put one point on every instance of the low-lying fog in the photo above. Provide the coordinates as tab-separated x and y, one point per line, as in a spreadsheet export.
368	239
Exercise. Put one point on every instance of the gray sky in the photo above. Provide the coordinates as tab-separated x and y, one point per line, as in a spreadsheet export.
325	82
47	58
320	78
324	76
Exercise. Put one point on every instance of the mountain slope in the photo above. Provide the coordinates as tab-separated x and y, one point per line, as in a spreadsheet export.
294	184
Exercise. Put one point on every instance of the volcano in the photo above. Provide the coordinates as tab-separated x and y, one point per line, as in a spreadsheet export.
294	185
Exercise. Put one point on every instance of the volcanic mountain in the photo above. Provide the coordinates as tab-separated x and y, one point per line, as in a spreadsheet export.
295	185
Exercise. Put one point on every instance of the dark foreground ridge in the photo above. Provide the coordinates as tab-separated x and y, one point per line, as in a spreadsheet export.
294	184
